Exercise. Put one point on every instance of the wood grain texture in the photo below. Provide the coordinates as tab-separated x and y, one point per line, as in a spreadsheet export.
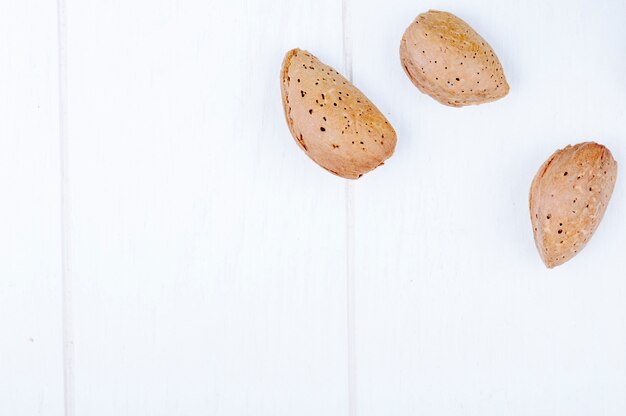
455	313
31	358
216	270
208	251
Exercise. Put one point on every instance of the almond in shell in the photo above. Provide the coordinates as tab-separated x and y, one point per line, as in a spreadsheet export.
331	120
448	60
568	198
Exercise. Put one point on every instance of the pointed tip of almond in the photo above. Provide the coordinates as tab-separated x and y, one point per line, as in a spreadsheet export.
287	60
551	264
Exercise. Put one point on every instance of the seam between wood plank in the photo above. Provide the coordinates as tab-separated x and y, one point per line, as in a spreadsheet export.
67	318
349	198
350	298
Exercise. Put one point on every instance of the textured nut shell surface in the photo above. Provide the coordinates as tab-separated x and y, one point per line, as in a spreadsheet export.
568	198
446	59
331	120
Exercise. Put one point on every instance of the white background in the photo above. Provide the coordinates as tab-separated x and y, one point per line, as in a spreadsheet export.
167	249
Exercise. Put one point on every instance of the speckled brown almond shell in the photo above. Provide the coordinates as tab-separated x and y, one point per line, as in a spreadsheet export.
331	120
446	59
568	198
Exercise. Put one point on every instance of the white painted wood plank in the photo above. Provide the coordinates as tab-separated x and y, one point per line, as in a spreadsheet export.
455	311
31	358
208	251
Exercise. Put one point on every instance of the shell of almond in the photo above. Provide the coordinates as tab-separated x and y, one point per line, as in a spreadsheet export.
448	60
331	120
568	198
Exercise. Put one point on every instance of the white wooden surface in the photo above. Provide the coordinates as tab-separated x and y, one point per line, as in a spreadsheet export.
31	353
455	312
166	249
